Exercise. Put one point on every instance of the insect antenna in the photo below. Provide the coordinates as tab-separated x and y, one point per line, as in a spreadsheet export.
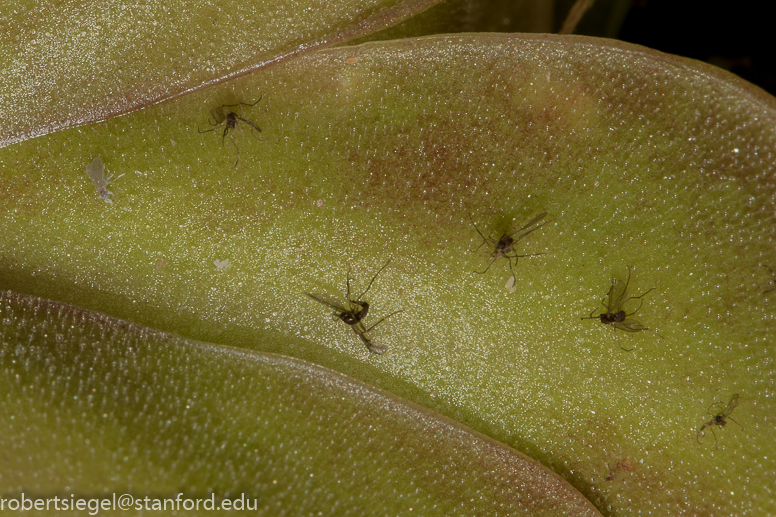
373	279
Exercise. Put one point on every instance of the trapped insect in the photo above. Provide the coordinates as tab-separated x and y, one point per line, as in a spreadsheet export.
224	115
719	420
614	313
354	310
505	246
623	465
96	173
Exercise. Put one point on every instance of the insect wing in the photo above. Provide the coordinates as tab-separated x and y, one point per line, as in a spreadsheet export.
609	305
616	297
534	221
250	123
328	301
630	326
218	115
375	349
731	405
529	224
96	173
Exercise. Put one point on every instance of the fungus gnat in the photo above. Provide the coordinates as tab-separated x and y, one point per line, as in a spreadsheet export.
505	246
354	310
720	419
96	173
225	116
614	313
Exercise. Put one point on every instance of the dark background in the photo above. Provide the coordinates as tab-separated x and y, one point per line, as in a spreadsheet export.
735	35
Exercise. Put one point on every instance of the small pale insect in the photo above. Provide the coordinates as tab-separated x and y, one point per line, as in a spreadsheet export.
719	420
226	116
623	465
504	247
221	264
614	313
96	173
353	311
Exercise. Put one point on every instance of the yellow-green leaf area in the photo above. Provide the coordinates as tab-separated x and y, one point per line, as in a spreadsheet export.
69	63
93	406
643	162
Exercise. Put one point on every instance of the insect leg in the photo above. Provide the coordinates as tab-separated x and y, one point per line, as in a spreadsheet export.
728	417
619	342
486	269
382	320
347	283
484	239
711	406
701	433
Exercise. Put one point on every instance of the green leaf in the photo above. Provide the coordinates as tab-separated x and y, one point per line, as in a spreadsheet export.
95	406
70	64
643	161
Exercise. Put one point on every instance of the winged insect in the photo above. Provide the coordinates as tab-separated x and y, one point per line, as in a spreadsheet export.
504	247
228	116
719	420
96	173
614	313
353	311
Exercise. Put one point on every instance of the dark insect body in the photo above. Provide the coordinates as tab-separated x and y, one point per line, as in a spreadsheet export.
505	245
225	116
614	313
719	420
353	311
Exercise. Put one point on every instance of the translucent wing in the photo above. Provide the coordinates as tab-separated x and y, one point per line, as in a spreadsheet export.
329	301
616	296
375	349
250	123
609	305
731	405
529	224
218	115
96	173
630	326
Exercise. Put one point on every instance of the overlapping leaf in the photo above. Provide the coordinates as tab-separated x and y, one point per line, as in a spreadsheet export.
641	160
